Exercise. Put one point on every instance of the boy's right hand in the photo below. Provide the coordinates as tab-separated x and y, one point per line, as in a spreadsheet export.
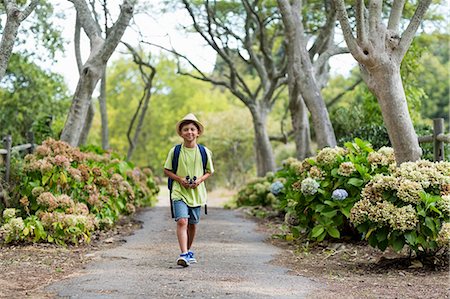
184	183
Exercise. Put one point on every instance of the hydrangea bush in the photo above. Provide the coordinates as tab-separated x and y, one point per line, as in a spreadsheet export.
64	194
320	191
410	206
260	192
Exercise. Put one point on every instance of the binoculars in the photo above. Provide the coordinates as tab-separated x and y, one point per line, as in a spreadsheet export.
191	181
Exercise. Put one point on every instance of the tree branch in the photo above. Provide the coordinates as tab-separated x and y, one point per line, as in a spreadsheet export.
340	95
353	46
361	22
396	15
408	35
375	8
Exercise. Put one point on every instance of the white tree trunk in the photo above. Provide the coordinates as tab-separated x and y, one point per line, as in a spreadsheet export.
302	76
300	126
101	51
87	125
103	112
264	155
386	83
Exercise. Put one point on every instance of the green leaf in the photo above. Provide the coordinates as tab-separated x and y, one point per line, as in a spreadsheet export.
382	234
332	231
398	243
45	178
329	214
331	203
322	236
319	208
383	245
355	182
346	211
317	231
411	238
429	222
295	232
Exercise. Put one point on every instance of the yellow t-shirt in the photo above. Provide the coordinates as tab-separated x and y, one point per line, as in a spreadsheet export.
190	164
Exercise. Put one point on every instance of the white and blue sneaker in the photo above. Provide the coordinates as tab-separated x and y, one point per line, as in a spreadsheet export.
191	257
183	260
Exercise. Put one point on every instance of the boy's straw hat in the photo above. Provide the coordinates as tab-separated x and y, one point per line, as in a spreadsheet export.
190	117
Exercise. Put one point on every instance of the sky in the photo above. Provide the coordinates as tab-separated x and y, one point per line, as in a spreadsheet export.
162	31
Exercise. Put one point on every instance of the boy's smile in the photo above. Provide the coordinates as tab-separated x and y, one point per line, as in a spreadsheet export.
189	132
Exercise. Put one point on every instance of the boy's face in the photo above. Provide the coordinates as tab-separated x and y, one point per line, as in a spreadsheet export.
189	132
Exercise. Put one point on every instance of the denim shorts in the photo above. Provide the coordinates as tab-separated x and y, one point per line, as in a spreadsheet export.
182	210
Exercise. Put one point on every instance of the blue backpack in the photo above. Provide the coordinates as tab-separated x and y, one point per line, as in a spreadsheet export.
175	158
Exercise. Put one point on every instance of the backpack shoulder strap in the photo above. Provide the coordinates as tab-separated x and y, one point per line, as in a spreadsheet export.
204	156
176	156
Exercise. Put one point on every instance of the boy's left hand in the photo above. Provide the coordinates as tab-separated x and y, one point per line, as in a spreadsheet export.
195	184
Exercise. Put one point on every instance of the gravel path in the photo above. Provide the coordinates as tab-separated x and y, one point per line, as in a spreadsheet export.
233	262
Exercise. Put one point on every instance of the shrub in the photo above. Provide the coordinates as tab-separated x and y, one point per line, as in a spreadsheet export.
258	192
70	193
410	206
320	191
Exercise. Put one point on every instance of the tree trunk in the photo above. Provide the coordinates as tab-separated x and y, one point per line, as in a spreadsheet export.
379	51
100	52
265	161
300	126
14	17
90	75
386	83
103	112
87	125
301	73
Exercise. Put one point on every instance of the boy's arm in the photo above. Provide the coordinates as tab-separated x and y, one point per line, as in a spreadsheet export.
176	178
201	179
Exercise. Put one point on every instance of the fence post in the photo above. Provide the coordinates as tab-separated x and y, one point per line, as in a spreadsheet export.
7	141
438	146
30	138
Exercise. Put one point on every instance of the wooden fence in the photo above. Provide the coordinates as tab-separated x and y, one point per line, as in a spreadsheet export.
6	152
438	139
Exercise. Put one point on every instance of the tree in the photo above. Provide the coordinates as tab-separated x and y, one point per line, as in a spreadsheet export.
141	111
14	17
31	99
303	79
100	51
379	50
251	63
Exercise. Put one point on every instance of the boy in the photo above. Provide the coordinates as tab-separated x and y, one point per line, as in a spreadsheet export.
188	190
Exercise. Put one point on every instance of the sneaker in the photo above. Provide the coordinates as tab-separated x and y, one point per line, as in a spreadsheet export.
183	260
191	257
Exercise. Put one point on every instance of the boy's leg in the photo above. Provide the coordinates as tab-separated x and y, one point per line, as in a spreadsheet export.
182	234
194	218
181	212
181	217
192	228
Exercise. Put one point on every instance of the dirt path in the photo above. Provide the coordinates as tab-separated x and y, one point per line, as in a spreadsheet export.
233	262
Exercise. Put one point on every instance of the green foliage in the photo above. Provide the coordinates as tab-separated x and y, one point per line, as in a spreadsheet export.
320	191
257	192
433	66
410	206
226	126
66	194
29	98
230	140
